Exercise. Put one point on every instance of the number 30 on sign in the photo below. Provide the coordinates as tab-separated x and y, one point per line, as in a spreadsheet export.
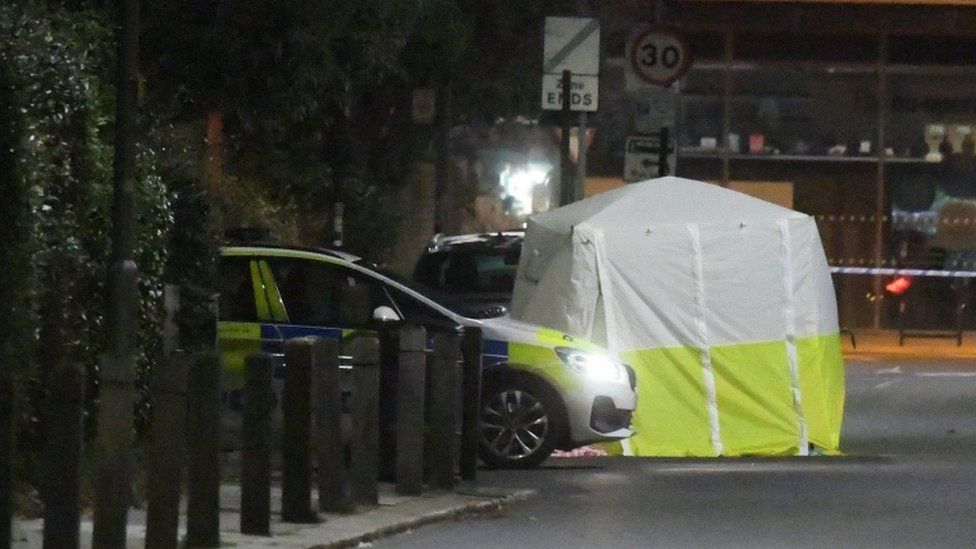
659	56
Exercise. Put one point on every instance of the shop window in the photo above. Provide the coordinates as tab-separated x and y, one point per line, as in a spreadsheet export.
805	47
931	50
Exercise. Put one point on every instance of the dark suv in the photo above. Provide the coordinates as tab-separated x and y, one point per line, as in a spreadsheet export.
477	269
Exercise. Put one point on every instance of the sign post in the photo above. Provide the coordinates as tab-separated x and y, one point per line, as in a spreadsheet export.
570	80
657	57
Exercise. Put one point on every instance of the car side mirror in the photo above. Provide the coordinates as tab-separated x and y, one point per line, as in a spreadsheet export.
385	314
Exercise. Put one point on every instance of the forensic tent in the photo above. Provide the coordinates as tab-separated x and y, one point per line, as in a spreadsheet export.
721	302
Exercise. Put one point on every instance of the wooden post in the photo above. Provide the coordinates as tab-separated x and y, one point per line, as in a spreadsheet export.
168	453
62	464
442	419
333	481
296	449
256	446
365	420
203	438
411	379
471	403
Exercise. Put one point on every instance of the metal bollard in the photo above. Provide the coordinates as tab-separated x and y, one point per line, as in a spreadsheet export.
471	344
365	420
168	452
333	480
389	370
256	445
441	440
296	449
203	435
7	411
411	379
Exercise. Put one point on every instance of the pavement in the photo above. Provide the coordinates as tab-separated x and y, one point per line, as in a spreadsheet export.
885	343
394	514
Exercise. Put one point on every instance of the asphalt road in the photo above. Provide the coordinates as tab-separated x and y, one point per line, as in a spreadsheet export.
909	480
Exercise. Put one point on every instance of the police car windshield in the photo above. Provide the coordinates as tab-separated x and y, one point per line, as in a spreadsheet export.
442	299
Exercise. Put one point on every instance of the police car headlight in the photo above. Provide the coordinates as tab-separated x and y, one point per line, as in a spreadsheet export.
591	365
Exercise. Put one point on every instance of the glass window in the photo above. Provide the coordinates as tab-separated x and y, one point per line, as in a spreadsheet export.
469	272
415	311
236	290
321	294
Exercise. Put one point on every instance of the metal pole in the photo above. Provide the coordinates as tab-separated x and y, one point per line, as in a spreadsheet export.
566	185
116	392
365	420
296	449
256	446
471	344
168	452
411	378
579	191
333	479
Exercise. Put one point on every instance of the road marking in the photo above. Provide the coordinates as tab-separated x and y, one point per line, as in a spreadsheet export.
888	383
946	374
895	370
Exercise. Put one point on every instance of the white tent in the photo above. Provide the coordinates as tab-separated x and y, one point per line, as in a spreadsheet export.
721	302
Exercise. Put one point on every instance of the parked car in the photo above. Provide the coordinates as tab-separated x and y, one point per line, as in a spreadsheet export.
543	390
475	269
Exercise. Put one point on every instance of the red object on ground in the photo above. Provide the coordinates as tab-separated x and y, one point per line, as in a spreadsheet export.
899	285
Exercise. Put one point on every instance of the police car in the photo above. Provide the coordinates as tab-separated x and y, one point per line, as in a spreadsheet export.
543	390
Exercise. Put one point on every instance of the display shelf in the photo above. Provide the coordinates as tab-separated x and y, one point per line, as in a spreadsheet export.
718	155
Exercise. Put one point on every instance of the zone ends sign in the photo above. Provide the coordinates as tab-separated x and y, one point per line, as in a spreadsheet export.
659	56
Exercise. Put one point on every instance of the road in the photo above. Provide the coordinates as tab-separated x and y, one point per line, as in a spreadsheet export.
909	480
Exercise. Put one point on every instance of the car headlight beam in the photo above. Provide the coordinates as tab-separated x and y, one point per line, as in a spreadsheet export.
592	365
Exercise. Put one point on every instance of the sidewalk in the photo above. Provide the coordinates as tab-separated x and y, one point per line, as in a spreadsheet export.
884	343
394	514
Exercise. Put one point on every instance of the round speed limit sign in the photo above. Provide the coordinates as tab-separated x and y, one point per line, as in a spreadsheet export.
659	56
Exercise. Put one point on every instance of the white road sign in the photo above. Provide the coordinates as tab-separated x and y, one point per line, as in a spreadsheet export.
642	158
654	109
658	56
583	92
573	44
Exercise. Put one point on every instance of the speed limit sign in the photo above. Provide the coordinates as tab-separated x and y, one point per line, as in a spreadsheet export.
659	56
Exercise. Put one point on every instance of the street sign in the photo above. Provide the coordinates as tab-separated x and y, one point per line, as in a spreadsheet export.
654	108
642	158
658	56
584	92
571	44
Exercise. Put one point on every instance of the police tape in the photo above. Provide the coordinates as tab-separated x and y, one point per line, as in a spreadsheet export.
902	272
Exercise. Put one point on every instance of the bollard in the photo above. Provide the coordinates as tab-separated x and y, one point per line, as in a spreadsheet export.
471	344
365	420
256	446
389	370
167	453
62	519
7	411
296	449
203	451
442	412
411	378
333	481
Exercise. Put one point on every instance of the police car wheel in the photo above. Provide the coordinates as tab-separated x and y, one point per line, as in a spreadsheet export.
520	425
